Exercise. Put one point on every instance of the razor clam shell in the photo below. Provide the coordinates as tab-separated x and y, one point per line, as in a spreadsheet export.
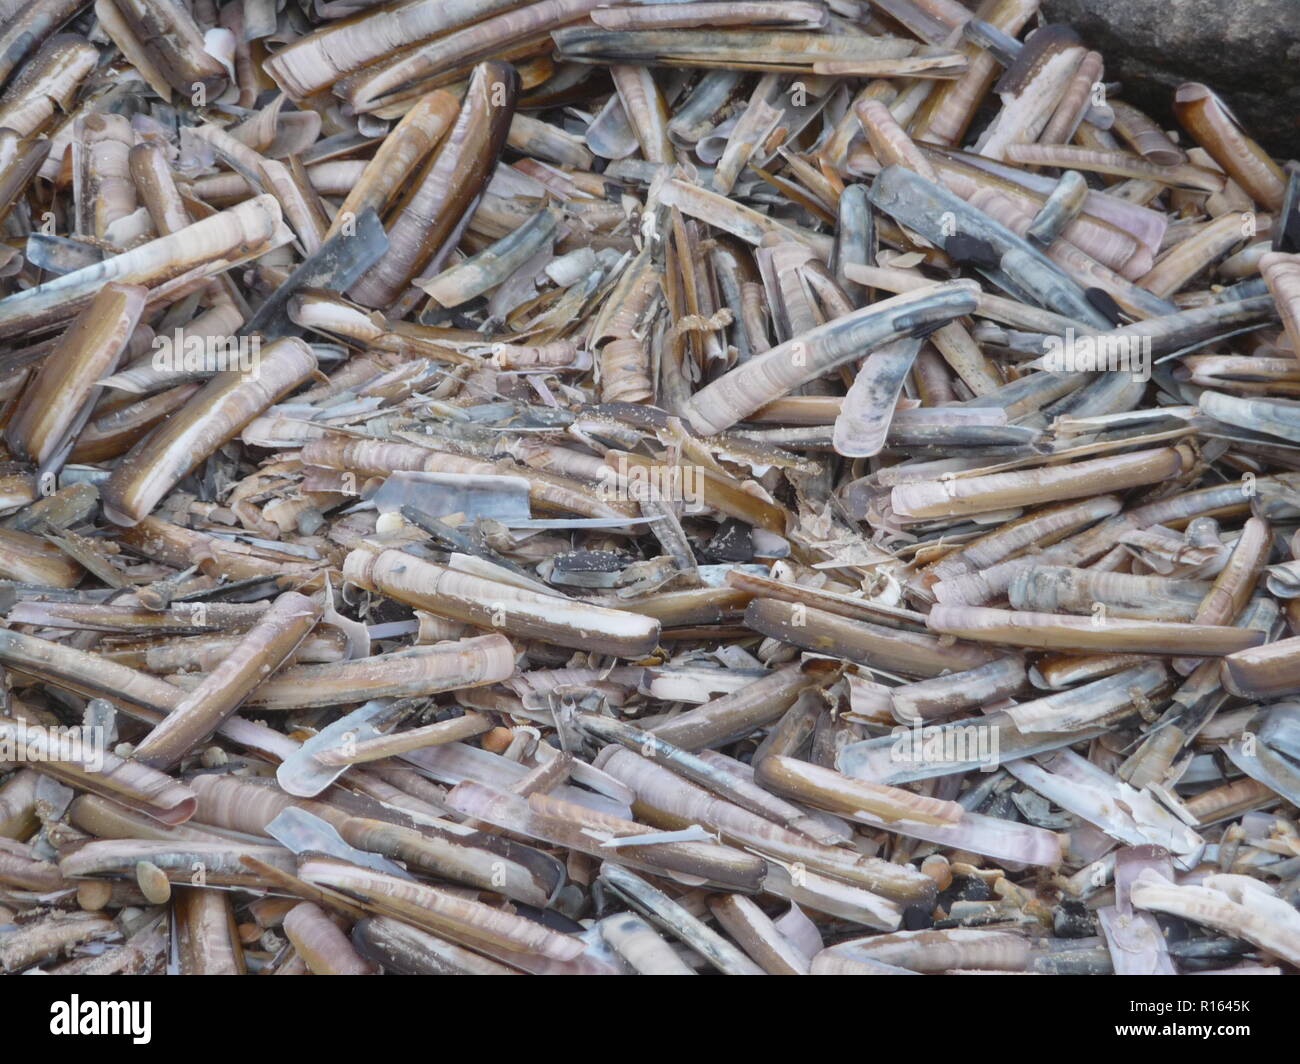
756	50
338	263
554	821
676	801
1275	417
913	653
848	797
454	763
695	117
208	246
455	852
1090	703
1137	944
314	61
1209	122
1060	632
421	235
124	781
921	205
442	912
1002	840
714	772
1132	817
325	949
735	715
869	407
212	417
952	692
1275	771
877	760
1060	589
1236	905
301	774
492	265
1281	730
937	951
64	387
641	946
758	935
414	672
461	597
300	832
29	560
662	910
262	650
51	937
778	371
220	860
400	947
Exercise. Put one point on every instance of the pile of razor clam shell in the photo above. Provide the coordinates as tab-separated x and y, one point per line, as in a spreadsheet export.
657	488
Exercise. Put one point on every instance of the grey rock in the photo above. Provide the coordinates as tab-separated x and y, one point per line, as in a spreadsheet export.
1246	50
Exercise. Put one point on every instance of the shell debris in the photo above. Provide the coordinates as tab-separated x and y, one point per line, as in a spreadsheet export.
569	487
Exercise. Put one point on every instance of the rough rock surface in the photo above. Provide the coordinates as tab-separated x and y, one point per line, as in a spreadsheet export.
1247	50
